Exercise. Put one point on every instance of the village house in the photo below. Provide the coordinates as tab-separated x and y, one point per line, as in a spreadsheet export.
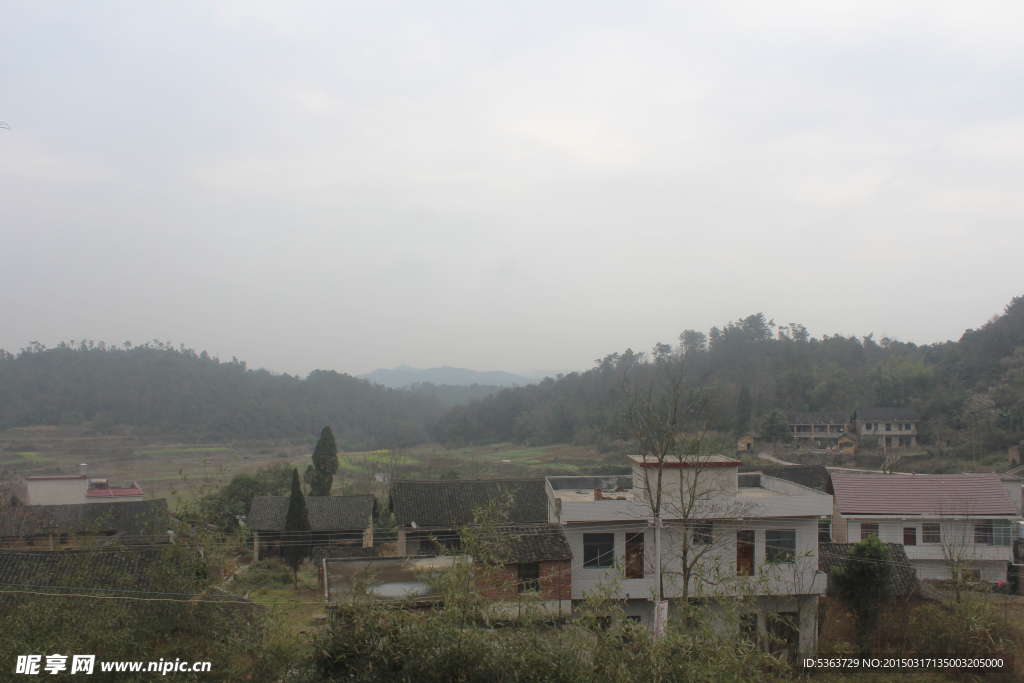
819	431
947	523
748	536
335	521
814	477
530	561
79	488
890	427
430	515
748	441
52	527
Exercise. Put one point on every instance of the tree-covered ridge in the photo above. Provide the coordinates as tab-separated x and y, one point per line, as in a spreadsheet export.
160	388
754	366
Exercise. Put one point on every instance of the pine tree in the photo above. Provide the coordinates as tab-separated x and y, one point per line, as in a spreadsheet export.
297	540
320	475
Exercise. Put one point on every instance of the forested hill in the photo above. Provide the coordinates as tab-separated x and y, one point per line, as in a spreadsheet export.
751	365
159	389
754	367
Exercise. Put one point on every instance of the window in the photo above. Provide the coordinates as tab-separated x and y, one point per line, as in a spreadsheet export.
784	633
868	530
825	530
780	546
745	552
910	535
635	556
1001	534
702	533
888	426
994	532
529	576
599	550
907	427
931	533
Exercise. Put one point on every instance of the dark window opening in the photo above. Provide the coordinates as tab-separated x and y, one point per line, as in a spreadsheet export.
784	634
780	546
868	530
825	530
529	576
931	533
910	535
635	556
599	550
745	553
702	533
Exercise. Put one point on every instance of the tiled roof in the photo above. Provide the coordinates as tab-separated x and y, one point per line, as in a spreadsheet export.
903	580
818	418
921	494
812	476
447	504
887	414
139	521
326	513
104	569
545	543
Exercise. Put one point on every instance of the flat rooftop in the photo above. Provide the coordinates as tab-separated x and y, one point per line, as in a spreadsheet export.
685	461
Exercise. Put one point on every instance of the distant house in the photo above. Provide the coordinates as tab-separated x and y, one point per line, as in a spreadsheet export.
335	520
890	427
847	443
79	488
818	430
431	514
748	441
108	570
51	527
954	522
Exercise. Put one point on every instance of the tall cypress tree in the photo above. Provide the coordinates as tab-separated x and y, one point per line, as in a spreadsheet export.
297	538
320	475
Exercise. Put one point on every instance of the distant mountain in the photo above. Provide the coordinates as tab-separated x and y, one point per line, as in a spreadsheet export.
403	376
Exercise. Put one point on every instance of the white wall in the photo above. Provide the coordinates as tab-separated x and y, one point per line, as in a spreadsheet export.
63	491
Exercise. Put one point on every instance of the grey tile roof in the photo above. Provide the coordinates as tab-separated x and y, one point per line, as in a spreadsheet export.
886	414
139	521
543	543
904	578
812	476
326	513
447	504
818	418
124	570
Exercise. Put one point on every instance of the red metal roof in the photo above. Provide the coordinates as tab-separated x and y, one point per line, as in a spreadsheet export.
921	494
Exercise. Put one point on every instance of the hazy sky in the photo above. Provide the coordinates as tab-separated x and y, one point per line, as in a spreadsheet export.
503	186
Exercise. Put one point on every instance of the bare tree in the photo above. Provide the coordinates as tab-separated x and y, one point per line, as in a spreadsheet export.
958	544
670	420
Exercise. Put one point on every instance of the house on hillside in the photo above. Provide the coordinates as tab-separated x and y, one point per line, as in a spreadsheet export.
890	427
335	521
748	441
429	515
744	534
79	488
946	523
818	431
53	527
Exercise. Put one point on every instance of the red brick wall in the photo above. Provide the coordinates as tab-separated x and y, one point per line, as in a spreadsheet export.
502	583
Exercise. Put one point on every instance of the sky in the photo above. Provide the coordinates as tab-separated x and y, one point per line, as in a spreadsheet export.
503	186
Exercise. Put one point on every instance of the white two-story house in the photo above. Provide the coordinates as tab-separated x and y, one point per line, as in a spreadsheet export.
722	536
949	524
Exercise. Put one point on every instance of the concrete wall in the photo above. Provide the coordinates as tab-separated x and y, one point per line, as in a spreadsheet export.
63	491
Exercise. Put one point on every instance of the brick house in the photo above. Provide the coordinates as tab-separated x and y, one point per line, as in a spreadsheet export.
335	521
430	515
539	560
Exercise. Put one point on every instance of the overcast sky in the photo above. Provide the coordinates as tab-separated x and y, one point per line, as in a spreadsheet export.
504	186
